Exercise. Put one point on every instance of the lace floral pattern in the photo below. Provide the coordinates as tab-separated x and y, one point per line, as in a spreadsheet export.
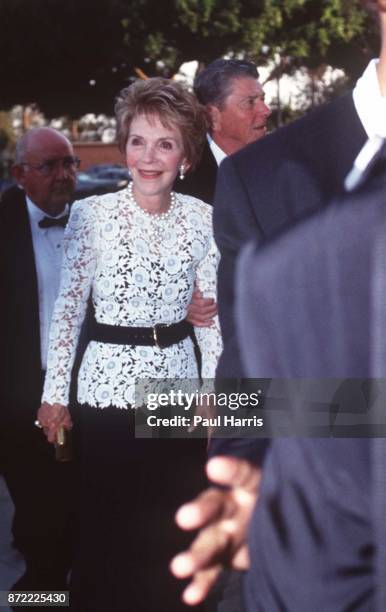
135	281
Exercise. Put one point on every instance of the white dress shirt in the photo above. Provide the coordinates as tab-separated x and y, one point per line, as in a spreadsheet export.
371	108
218	153
47	245
369	102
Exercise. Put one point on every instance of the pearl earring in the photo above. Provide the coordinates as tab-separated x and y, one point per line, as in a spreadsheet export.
182	172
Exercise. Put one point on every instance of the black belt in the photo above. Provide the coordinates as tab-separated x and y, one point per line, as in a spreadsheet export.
160	335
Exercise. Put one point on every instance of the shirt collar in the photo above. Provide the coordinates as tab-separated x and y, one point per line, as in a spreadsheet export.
369	102
218	153
36	214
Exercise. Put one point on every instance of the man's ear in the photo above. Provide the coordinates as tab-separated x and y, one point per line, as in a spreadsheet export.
215	117
17	172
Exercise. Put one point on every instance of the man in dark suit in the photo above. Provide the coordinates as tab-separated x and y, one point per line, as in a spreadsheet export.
237	116
270	185
262	191
32	220
310	305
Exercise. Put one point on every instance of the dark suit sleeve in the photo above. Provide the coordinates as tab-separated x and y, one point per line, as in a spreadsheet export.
234	224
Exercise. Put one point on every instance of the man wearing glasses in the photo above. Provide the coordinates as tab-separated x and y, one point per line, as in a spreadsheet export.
32	220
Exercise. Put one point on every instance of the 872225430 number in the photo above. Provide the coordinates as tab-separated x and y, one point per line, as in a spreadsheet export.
34	598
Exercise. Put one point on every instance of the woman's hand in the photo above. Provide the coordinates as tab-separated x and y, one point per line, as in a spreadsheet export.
53	416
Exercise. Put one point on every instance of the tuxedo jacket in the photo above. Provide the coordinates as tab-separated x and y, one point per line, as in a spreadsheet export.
310	304
21	387
201	182
22	383
272	184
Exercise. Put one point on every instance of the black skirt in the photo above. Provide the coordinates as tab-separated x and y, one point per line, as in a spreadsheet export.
130	491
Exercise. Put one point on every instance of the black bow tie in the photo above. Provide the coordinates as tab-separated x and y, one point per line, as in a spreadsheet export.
53	222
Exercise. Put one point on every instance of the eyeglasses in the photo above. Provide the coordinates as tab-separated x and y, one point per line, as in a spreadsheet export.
48	167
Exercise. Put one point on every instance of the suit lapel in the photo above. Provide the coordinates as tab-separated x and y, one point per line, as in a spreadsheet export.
205	175
317	152
24	254
209	161
23	277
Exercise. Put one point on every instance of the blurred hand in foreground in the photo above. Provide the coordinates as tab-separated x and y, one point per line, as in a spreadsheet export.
222	517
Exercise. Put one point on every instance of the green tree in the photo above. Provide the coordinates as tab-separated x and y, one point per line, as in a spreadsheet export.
304	32
72	57
319	32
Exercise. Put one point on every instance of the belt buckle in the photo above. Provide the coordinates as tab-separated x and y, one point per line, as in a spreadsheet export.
155	335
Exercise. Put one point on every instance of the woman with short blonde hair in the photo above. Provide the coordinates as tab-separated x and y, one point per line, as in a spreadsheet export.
139	254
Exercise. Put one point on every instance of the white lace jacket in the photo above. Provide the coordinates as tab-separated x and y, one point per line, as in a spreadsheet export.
135	280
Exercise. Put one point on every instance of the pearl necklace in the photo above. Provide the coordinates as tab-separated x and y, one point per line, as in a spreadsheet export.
157	220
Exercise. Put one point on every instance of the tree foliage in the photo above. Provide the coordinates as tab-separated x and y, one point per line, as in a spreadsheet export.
334	32
73	57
